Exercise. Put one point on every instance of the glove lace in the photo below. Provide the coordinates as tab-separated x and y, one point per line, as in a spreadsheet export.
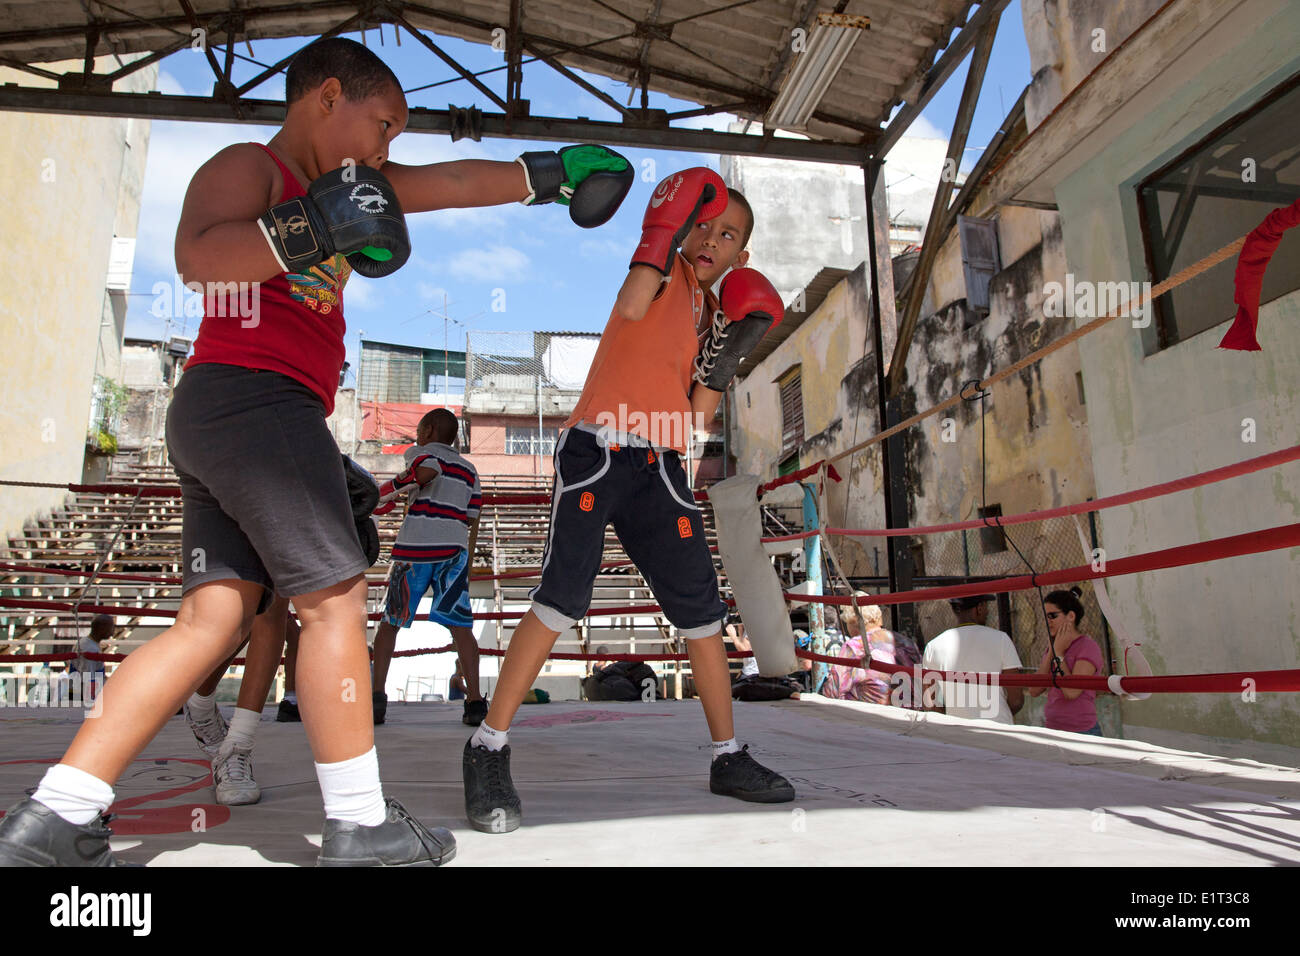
713	345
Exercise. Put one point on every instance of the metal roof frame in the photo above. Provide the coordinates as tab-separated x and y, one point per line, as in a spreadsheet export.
157	28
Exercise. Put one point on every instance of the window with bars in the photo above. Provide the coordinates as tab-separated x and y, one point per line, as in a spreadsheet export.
522	440
791	386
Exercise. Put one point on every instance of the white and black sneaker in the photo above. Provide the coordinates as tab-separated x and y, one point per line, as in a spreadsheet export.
209	732
31	834
401	840
232	776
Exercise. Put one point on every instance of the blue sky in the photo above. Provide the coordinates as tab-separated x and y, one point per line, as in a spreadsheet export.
554	275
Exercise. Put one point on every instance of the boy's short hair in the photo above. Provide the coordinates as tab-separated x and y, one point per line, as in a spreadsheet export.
361	73
442	424
736	196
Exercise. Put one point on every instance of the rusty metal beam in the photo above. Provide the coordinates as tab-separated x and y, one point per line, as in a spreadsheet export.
939	210
988	13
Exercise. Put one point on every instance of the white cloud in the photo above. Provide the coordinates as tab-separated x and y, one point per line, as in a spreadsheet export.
498	263
922	128
176	151
606	248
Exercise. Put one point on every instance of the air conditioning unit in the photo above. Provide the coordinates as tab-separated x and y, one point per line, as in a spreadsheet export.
179	345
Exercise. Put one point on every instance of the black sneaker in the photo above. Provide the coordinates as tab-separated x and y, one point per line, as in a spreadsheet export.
475	712
31	834
288	713
741	776
379	701
401	840
491	802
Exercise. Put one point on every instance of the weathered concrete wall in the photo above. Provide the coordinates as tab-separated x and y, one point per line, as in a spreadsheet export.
1181	411
1068	38
62	188
1037	436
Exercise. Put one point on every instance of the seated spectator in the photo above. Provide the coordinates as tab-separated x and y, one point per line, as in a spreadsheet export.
973	647
865	636
92	672
1079	655
456	686
621	680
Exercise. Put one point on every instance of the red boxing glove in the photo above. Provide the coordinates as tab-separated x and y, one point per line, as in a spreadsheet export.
679	202
751	306
388	493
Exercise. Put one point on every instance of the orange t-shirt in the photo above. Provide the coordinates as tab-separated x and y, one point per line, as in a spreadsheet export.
640	379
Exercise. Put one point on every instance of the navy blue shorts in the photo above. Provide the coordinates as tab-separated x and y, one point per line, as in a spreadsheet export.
644	494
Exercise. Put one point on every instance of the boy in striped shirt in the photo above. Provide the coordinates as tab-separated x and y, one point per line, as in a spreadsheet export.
433	552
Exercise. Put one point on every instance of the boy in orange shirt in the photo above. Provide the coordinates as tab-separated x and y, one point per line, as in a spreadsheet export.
667	354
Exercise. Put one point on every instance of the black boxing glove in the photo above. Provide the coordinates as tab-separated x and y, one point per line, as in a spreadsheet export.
591	180
363	495
352	210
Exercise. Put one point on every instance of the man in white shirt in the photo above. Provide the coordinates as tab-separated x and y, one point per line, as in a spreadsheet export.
973	648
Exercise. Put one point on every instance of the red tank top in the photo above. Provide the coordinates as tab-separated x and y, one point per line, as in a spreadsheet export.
293	324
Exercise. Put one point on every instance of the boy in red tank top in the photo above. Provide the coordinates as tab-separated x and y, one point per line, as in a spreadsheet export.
266	498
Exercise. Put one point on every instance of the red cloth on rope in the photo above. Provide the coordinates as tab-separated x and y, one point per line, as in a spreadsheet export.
1248	280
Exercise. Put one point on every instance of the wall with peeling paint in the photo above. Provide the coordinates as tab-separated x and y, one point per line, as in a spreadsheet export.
1180	411
67	185
1036	431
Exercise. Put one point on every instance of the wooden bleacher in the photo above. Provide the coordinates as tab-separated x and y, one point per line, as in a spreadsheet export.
121	533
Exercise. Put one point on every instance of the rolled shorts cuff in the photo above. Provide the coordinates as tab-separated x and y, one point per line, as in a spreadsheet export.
553	619
325	579
704	630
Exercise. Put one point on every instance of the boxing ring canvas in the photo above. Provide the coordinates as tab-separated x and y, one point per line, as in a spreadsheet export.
627	784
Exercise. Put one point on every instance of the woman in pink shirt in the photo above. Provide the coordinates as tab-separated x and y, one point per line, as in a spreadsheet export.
1069	708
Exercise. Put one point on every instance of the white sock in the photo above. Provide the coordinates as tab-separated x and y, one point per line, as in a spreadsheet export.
352	790
201	707
243	726
721	747
291	697
73	794
485	736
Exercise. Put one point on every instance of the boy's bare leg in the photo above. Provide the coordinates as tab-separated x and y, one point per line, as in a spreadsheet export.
209	685
332	671
530	645
713	684
385	642
151	684
265	647
467	651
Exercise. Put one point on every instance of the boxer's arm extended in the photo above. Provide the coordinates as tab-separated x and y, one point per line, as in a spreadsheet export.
456	185
218	239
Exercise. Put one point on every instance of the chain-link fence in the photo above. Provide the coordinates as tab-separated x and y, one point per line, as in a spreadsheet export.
992	552
526	373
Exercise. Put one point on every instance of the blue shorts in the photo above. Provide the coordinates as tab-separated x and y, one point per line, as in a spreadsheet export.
448	580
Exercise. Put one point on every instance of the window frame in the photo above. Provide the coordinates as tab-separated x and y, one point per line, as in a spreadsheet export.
1165	331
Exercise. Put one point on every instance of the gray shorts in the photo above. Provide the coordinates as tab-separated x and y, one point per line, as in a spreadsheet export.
262	483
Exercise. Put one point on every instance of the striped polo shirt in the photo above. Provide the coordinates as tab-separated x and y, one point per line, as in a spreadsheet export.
439	515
